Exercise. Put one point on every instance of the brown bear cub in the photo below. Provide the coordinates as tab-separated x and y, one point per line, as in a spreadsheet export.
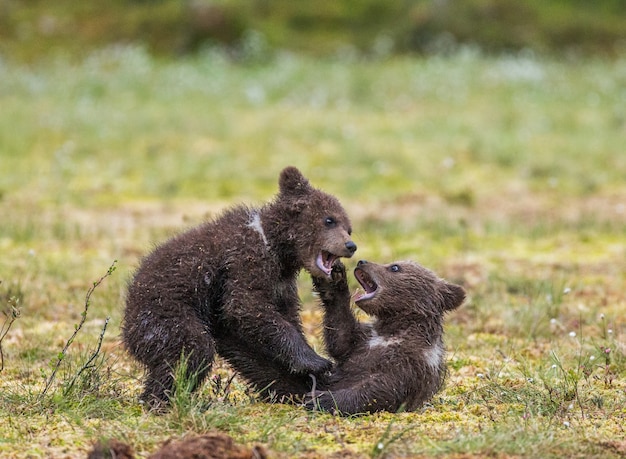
229	286
397	362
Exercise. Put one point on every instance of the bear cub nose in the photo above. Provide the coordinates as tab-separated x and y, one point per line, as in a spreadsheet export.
351	246
361	262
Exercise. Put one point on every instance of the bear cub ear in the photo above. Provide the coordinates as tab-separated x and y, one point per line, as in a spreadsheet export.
292	182
453	296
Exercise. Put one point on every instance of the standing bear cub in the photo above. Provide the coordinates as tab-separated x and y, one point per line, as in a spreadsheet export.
229	286
397	362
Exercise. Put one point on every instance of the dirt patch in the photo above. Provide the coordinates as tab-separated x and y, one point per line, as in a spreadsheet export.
616	447
208	446
111	449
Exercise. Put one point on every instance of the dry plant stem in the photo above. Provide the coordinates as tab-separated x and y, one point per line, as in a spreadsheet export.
6	326
227	386
93	356
77	328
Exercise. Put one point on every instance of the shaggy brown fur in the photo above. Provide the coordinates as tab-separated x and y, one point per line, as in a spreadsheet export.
397	362
229	285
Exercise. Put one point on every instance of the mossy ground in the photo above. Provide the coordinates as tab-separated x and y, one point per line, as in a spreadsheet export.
504	174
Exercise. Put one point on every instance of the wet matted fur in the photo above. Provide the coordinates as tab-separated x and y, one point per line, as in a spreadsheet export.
398	361
229	286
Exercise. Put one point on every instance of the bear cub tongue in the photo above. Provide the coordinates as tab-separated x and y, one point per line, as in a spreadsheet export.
325	261
368	284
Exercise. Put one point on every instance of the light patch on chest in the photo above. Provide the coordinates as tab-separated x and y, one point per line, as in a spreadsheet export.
434	356
381	341
255	224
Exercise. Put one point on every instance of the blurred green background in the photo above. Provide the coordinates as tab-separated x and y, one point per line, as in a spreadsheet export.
484	139
35	28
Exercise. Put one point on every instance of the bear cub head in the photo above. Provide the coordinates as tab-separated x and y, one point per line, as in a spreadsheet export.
405	288
319	227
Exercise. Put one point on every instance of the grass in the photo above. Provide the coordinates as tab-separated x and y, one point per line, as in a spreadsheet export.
502	173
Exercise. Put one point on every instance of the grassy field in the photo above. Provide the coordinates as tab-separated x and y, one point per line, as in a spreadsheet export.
504	174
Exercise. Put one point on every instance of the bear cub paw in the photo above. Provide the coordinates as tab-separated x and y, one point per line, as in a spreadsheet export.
311	363
336	285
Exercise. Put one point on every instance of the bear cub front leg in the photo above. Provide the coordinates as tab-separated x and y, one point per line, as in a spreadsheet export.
334	288
342	332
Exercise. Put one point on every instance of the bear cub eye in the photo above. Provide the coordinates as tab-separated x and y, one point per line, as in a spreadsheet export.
330	222
394	268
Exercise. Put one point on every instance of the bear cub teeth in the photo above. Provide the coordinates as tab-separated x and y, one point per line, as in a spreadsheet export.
368	284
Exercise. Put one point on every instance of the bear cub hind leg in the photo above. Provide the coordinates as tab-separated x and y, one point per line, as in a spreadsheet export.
173	345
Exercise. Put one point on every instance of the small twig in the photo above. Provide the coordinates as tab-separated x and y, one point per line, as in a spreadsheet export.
77	328
6	326
227	387
314	385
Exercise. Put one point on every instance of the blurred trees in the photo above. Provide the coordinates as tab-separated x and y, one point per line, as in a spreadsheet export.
32	28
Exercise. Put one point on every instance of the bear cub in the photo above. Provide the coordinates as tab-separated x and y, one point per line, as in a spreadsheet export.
397	361
229	286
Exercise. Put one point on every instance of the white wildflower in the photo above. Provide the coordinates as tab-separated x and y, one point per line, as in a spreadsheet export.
448	163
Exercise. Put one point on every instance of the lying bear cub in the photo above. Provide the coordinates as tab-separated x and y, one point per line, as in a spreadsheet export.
395	363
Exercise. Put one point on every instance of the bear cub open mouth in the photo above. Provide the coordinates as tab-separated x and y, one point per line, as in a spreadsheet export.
368	284
325	261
